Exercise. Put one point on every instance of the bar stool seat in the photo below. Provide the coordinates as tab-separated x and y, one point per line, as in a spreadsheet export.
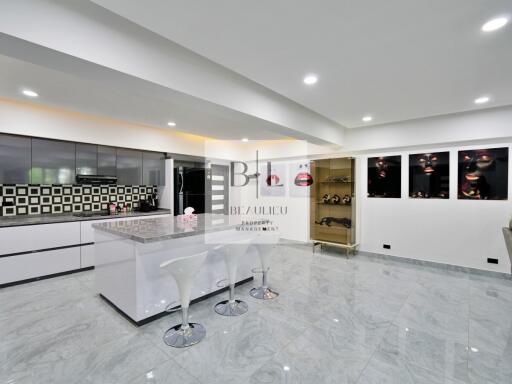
184	270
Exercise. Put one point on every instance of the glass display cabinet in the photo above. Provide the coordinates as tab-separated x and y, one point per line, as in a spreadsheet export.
333	211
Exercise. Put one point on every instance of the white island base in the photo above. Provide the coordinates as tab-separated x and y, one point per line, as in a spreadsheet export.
128	273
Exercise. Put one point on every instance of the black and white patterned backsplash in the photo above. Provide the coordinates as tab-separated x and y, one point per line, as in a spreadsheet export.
23	199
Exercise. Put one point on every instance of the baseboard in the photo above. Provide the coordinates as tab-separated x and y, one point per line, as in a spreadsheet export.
44	277
433	264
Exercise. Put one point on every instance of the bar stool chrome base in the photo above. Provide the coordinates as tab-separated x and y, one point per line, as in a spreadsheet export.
233	308
263	293
179	338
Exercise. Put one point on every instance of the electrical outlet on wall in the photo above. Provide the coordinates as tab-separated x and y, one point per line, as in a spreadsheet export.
386	246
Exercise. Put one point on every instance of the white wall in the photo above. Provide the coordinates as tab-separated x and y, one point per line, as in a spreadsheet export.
458	232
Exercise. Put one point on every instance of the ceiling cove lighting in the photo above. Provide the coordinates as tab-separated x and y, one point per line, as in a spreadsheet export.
245	140
494	24
171	124
482	100
367	119
29	93
310	79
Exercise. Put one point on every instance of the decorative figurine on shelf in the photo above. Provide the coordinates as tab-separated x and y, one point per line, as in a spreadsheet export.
347	223
335	199
347	199
338	179
326	198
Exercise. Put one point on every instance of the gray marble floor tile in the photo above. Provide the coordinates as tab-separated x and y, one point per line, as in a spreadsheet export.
320	355
233	355
62	293
488	368
167	373
404	348
434	321
337	320
380	372
119	361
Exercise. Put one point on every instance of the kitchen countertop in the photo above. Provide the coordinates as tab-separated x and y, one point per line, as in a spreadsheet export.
17	221
169	227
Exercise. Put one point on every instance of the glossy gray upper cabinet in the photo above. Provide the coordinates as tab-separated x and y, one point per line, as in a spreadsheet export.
86	159
129	167
106	161
153	168
15	159
53	162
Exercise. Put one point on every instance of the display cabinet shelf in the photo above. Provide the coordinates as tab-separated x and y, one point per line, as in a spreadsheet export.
330	213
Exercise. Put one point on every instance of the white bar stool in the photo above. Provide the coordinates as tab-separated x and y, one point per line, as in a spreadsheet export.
266	246
231	254
184	269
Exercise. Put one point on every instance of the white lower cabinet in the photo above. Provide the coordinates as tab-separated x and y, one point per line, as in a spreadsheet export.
31	251
87	256
31	265
38	237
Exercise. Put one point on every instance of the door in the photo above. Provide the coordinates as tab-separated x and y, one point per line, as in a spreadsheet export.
217	195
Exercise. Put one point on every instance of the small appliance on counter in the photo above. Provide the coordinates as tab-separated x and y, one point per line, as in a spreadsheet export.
150	204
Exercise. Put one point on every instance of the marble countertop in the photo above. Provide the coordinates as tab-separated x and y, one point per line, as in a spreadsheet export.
168	227
17	221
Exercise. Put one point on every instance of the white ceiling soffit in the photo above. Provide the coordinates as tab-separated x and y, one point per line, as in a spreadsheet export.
103	92
90	33
395	60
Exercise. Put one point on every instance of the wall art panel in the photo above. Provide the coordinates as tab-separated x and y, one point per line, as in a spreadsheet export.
384	176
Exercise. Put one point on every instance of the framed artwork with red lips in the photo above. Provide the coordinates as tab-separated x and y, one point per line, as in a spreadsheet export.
483	174
429	175
300	179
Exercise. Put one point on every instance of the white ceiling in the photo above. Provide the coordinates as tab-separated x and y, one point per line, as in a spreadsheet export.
128	99
396	59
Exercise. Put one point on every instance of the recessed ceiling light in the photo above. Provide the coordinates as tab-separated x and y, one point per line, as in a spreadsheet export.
494	24
482	100
286	368
171	124
245	139
29	93
367	119
310	79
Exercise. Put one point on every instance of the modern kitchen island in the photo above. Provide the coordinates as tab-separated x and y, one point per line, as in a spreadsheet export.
129	254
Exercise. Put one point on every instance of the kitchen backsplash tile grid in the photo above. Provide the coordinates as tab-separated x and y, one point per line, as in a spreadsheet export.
23	199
